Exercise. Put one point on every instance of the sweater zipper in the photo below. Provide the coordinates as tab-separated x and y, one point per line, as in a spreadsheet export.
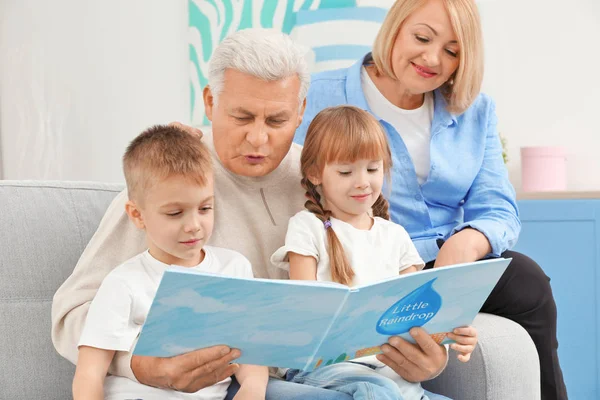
264	199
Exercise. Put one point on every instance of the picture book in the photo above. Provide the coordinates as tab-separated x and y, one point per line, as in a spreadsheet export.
307	324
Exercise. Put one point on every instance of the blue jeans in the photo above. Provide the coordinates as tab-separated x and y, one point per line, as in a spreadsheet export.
282	390
362	382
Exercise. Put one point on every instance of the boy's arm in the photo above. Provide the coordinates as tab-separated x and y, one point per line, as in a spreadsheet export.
115	241
302	267
253	381
90	373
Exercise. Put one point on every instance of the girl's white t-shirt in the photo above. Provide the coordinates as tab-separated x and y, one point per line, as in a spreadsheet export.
375	254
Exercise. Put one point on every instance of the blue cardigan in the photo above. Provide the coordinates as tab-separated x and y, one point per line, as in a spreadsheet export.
467	185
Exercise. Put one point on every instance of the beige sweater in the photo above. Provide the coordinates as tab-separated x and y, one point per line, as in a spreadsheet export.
251	216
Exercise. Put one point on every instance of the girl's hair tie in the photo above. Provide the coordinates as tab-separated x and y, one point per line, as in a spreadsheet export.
327	224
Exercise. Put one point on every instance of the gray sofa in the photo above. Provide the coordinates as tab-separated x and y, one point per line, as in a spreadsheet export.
44	227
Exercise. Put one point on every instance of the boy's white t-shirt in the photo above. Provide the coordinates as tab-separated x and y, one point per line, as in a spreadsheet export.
375	254
120	307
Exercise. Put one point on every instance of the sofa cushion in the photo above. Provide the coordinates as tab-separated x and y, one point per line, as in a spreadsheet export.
44	228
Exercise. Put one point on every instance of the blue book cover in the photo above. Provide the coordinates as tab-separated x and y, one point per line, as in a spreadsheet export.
307	324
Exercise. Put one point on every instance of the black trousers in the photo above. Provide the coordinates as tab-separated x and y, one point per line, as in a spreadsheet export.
523	295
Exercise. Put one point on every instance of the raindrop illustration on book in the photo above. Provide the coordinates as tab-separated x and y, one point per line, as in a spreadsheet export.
413	310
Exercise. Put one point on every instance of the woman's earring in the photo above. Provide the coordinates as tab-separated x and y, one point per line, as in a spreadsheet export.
451	81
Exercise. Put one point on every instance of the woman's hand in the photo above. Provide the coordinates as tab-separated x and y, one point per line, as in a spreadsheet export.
465	246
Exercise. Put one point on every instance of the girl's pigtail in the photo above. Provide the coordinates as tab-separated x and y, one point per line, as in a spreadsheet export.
341	270
381	208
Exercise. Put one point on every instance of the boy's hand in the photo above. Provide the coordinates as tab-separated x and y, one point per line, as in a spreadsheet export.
466	340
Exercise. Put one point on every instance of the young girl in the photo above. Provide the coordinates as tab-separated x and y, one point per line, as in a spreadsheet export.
345	236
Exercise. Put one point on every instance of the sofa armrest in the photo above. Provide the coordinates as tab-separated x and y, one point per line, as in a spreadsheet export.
504	365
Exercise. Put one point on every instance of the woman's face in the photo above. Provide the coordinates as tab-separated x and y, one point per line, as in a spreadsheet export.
425	54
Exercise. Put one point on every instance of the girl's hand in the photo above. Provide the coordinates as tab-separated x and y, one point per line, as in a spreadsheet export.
251	392
466	340
409	270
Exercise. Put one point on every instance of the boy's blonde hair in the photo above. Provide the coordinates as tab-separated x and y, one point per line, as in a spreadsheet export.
337	135
160	152
463	88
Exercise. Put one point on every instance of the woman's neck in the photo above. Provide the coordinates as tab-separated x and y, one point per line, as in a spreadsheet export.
394	91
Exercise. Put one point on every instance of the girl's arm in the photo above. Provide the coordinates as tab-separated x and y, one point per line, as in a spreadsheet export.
302	268
409	270
92	367
253	381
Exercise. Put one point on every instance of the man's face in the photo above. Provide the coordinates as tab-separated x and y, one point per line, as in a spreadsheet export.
253	121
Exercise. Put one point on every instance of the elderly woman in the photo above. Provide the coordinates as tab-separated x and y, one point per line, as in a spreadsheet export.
450	187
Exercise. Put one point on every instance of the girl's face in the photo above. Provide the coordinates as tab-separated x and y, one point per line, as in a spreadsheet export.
351	189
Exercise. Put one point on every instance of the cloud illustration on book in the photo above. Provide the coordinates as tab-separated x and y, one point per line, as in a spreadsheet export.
376	303
189	298
275	338
176	349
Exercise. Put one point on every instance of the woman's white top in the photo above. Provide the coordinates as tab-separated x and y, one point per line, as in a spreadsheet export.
414	126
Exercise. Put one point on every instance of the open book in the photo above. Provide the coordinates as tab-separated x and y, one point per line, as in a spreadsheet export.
306	324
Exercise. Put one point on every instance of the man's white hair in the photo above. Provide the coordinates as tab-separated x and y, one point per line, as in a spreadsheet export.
264	53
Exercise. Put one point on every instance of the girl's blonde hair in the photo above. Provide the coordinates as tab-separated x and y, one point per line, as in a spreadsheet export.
337	135
463	88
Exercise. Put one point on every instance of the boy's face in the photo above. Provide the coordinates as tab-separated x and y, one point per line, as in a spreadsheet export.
178	217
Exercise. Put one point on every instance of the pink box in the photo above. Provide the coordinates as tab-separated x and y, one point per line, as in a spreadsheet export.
543	169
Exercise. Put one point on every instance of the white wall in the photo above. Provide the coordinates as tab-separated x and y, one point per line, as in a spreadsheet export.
79	79
543	70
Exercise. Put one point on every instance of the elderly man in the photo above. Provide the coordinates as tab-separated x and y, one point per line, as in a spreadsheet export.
258	81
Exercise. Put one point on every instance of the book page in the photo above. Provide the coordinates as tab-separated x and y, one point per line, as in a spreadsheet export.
273	323
437	300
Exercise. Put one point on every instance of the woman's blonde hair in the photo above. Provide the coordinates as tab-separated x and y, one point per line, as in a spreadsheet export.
337	135
463	88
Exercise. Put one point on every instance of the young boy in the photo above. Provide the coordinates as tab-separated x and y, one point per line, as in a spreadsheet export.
170	187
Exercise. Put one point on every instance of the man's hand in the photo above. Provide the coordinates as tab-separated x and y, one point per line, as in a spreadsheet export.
466	340
189	129
414	362
188	372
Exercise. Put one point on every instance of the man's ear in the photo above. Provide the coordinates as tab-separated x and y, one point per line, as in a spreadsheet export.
209	102
301	112
134	214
